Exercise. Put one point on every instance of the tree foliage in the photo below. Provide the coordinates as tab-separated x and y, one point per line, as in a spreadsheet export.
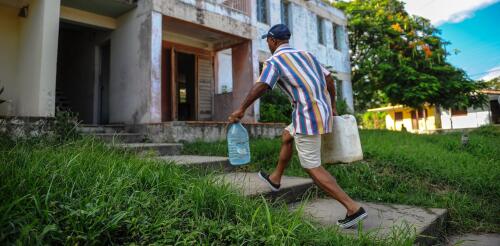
400	59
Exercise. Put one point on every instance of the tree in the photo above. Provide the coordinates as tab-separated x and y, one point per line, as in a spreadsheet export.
400	59
493	84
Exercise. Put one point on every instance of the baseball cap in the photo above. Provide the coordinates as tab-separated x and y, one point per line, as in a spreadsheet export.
279	31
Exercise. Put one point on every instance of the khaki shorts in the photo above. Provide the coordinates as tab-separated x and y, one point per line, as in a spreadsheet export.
308	148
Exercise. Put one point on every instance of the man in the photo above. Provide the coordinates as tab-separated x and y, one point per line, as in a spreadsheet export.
312	92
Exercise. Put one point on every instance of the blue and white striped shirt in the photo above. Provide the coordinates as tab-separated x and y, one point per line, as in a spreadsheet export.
300	75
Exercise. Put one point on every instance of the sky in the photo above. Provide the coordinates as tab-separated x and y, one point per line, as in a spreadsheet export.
472	27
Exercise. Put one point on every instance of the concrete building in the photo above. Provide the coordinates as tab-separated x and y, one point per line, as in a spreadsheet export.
429	119
152	61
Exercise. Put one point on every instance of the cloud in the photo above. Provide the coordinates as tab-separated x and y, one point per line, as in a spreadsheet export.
491	74
442	11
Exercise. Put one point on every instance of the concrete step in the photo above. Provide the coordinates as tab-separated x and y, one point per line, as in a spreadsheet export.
208	163
382	218
160	149
487	239
91	129
292	188
120	137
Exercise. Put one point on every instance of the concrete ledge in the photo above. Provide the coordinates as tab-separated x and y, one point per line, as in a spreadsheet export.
382	219
292	188
207	163
207	131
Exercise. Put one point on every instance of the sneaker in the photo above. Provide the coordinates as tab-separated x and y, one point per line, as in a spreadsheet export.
264	176
353	219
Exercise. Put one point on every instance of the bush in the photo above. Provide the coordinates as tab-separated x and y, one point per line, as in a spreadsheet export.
373	120
275	107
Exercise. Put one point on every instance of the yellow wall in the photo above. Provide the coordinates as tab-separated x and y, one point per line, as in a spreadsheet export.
423	124
9	39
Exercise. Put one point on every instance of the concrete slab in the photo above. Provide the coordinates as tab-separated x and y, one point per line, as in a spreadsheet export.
292	188
382	218
158	148
120	137
490	239
199	162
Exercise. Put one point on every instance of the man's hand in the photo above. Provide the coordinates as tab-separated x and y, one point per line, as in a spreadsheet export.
236	116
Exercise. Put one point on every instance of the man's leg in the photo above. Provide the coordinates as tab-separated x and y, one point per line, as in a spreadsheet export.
309	150
286	153
328	183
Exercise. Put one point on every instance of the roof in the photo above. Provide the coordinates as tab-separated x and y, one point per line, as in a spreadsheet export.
385	108
491	92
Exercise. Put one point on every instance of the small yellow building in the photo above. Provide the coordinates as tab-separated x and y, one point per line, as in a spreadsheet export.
401	118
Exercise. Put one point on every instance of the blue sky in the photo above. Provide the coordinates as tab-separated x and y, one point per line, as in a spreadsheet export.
472	26
478	39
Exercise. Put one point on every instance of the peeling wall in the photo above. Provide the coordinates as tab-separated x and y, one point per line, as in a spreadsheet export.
208	14
135	82
303	25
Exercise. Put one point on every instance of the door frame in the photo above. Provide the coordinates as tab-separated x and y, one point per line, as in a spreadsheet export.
172	103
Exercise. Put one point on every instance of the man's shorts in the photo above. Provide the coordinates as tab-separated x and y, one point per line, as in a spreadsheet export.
308	148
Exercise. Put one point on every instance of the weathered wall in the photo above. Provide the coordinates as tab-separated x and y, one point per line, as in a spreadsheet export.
9	50
303	25
221	109
243	76
203	131
135	81
30	58
208	14
474	118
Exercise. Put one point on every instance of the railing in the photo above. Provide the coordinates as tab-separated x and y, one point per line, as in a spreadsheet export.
242	6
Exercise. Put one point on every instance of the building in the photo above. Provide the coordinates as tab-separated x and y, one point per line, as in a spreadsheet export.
152	61
430	119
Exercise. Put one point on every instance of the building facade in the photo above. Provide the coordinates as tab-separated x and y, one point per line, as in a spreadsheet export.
431	119
152	61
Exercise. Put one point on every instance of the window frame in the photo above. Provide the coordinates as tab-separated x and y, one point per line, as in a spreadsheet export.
458	112
396	118
265	13
336	29
320	29
285	17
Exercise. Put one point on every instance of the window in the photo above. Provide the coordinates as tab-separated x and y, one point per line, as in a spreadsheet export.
262	11
458	111
421	113
337	36
321	36
398	116
285	12
338	90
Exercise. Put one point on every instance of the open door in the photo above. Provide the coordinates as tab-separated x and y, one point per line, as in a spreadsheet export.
205	88
104	74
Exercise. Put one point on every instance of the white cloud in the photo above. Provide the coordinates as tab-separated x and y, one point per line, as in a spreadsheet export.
441	11
492	73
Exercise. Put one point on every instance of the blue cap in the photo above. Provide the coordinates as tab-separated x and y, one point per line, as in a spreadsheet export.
279	31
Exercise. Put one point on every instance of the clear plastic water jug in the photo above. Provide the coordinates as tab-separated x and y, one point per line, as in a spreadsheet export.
238	145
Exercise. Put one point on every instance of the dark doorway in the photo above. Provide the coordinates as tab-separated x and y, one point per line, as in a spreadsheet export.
495	111
185	81
103	90
83	67
414	120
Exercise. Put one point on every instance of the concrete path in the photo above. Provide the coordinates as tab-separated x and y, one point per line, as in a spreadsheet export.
292	188
475	240
382	219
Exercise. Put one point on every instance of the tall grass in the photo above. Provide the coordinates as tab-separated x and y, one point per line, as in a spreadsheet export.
82	192
424	170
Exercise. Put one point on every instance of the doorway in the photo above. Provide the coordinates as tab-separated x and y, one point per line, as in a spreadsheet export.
495	111
414	120
185	86
83	72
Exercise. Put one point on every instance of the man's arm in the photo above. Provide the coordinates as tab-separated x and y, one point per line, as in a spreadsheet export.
255	93
330	85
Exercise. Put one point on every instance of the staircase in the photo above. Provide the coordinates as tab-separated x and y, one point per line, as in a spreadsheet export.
383	219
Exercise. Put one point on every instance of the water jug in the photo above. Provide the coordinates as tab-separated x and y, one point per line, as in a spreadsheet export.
342	144
238	145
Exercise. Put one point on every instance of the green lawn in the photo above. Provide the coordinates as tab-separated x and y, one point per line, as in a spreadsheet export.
403	168
82	192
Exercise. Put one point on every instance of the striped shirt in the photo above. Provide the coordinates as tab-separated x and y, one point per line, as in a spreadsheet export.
302	78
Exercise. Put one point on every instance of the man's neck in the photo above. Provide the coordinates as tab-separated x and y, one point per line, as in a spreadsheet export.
282	46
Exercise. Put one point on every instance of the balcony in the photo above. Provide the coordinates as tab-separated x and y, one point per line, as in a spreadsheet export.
242	6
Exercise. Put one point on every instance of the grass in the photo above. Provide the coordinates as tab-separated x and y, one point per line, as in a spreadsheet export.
423	170
82	192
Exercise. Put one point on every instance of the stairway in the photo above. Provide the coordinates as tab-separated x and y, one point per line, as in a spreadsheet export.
297	192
